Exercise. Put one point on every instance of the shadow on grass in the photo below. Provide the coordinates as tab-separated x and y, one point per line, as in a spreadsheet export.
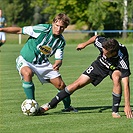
99	108
95	109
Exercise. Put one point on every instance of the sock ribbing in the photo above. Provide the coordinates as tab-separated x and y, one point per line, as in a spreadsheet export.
116	102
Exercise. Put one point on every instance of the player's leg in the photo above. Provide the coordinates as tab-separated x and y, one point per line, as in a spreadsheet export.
93	74
2	38
27	84
1	43
60	85
117	93
79	83
26	76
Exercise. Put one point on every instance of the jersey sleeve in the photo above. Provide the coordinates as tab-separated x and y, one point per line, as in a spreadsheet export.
98	42
28	30
36	30
60	51
59	54
123	64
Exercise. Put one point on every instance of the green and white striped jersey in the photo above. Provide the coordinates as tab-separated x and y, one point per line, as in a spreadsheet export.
42	44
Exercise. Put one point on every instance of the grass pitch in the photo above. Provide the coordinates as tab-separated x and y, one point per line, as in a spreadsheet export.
94	103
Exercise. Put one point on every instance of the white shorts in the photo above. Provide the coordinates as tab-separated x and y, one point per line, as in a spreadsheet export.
2	36
43	71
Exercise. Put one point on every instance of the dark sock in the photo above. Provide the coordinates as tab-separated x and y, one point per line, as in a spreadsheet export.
66	101
60	96
116	102
1	44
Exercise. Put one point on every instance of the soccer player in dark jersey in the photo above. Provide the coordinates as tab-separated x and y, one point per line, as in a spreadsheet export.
45	40
113	61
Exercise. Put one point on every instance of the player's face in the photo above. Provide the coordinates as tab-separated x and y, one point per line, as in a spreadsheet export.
58	27
109	54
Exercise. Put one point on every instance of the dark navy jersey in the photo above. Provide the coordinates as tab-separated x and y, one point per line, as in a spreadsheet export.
2	22
120	61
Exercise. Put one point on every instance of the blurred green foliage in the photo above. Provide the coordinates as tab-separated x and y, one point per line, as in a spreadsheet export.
86	14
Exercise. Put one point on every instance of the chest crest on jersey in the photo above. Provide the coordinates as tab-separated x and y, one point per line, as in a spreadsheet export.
45	50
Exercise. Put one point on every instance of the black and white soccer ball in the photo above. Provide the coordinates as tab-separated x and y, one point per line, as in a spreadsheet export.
29	107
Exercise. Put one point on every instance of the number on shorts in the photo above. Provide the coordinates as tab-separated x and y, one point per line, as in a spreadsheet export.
89	69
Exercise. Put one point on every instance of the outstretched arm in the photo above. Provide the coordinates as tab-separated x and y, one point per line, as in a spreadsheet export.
84	44
14	30
127	109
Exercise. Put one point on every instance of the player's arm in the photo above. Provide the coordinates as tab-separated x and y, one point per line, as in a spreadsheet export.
84	44
127	109
57	64
13	30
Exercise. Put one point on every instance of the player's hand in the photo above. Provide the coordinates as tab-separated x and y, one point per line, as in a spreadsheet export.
80	46
56	67
128	112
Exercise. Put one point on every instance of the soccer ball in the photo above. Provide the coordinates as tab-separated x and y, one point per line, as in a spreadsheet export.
29	107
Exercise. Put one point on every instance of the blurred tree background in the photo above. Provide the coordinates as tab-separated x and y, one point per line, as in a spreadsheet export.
85	14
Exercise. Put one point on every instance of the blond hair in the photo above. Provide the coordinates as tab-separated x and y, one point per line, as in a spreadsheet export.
62	17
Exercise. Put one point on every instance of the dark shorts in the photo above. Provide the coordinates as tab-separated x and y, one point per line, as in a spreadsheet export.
97	72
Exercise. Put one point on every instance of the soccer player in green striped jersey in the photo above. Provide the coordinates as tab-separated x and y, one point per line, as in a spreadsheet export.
44	41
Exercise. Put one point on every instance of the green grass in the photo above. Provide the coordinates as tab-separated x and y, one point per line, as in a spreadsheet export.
93	103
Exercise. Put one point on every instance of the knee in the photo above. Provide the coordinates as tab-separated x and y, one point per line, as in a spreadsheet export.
117	79
27	74
117	83
3	41
61	85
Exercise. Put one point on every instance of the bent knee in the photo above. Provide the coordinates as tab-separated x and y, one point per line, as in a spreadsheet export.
27	73
60	86
116	76
116	79
3	41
